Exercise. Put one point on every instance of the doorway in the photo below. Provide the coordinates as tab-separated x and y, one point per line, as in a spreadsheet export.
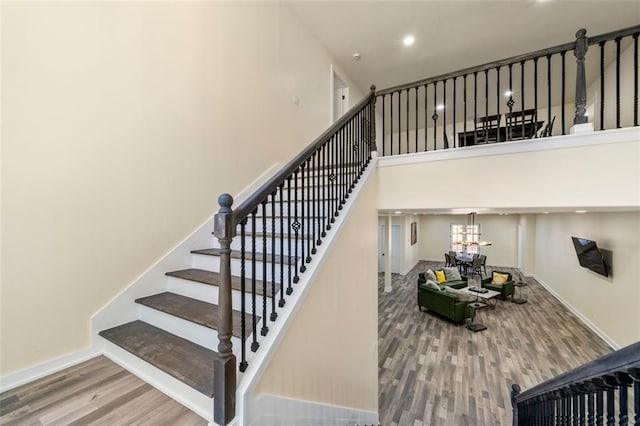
396	247
339	96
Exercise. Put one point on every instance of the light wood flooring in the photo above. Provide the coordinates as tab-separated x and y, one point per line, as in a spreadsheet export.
95	392
435	372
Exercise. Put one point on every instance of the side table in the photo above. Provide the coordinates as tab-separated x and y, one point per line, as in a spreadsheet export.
522	298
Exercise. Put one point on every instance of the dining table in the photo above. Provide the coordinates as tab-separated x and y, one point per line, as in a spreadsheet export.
466	260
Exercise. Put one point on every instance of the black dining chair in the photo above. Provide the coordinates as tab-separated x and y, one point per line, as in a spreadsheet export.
487	128
521	124
484	262
476	266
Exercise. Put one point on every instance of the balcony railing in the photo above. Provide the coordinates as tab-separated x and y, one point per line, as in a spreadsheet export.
537	94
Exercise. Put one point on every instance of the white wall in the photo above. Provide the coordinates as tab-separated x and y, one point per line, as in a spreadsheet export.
501	230
122	123
612	304
597	170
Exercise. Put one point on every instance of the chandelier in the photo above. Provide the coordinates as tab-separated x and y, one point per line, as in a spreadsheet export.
470	230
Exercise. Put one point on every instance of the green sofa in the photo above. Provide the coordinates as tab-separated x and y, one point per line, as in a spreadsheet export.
453	284
443	303
505	289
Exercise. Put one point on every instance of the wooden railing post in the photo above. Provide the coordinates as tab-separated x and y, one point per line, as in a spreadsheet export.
224	368
515	391
581	82
372	138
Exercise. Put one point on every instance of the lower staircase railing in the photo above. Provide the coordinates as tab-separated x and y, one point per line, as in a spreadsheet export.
588	395
280	227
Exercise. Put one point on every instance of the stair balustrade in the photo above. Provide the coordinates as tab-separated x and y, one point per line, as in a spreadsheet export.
578	396
414	115
280	227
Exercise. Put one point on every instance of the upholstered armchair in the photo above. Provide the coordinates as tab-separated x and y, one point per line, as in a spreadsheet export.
501	282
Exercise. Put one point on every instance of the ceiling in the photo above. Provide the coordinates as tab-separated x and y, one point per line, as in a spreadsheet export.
509	211
450	35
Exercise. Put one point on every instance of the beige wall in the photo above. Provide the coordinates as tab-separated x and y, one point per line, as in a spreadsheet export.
611	304
122	122
502	231
329	354
594	175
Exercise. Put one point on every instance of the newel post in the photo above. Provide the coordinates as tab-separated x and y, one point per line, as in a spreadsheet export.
515	391
224	368
581	82
373	147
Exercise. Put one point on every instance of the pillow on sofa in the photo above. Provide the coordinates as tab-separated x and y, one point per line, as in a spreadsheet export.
452	274
499	279
430	275
421	276
432	284
441	277
462	296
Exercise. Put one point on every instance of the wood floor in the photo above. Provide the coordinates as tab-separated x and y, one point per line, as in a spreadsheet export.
435	372
96	392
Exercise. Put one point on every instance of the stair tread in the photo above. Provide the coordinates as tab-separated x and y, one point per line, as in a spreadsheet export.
213	278
193	310
236	254
190	363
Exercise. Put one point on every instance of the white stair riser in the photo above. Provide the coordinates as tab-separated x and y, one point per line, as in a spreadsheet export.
193	332
209	293
212	263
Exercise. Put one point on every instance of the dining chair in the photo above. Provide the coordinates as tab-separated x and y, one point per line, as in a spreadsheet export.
521	124
447	259
487	128
484	262
548	129
476	266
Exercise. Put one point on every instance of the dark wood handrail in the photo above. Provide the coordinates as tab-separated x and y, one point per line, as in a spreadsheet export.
248	205
625	32
621	360
512	60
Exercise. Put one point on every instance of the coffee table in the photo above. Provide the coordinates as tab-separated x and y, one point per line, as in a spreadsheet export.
482	301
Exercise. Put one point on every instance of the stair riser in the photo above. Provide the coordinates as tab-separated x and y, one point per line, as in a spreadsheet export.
209	293
195	333
212	263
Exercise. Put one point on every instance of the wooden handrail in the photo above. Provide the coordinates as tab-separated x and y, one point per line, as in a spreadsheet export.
625	32
248	205
621	360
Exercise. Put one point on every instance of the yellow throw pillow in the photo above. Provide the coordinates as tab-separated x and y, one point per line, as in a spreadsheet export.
440	277
499	279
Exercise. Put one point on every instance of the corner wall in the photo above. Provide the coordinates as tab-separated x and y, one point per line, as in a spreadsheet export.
329	355
122	123
610	305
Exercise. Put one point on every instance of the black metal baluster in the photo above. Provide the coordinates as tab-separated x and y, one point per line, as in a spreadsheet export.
635	84
510	104
384	119
549	88
618	82
599	402
243	294
583	410
475	107
498	94
399	123
455	79
535	87
486	99
303	218
274	314
562	54
315	185
576	416
591	419
464	116
264	329
353	131
254	317
416	126
323	196
522	94
311	233
391	123
601	44
289	228
407	119
295	225
635	373
334	177
444	113
434	117
341	165
425	118
330	190
625	381
281	302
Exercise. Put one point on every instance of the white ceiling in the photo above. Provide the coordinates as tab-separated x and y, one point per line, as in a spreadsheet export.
450	35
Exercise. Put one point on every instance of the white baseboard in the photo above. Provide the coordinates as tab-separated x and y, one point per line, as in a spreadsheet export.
275	410
39	371
608	340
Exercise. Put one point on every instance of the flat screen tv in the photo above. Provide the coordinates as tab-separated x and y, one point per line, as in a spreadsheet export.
589	256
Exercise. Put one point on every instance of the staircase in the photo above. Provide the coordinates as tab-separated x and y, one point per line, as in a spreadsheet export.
171	330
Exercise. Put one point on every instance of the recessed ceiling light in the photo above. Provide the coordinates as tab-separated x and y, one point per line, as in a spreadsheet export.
581	211
508	93
408	40
397	212
440	107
